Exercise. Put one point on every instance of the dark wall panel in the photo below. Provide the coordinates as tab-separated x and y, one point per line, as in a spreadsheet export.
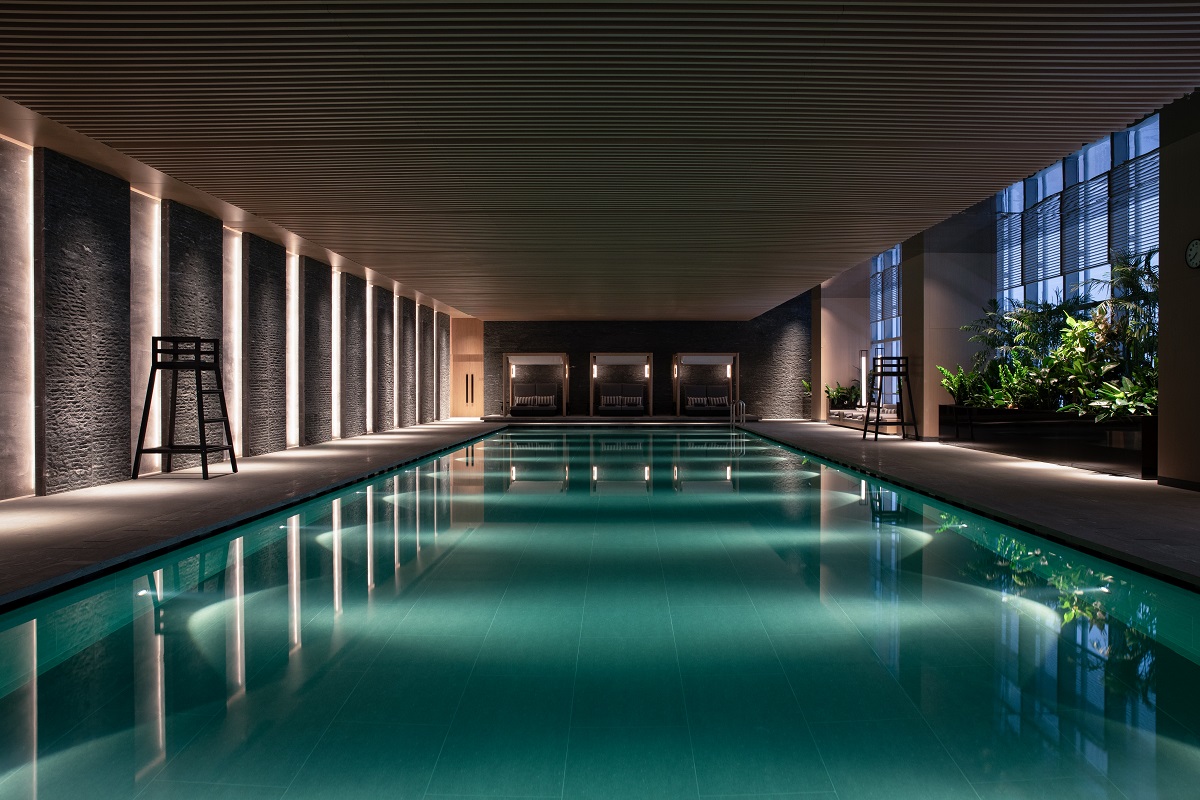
192	259
406	383
81	263
354	356
775	350
383	307
427	384
317	388
442	346
264	346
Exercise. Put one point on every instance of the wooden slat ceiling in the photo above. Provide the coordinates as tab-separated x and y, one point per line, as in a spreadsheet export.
615	160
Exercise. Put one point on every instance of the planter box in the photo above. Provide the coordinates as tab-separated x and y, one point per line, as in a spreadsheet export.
1127	447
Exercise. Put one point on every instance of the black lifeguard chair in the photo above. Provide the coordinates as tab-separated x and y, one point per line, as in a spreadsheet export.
200	357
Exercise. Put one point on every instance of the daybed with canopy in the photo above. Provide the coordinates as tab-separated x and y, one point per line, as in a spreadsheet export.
536	398
631	396
705	384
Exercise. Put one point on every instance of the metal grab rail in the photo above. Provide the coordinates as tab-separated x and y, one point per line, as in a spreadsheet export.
737	413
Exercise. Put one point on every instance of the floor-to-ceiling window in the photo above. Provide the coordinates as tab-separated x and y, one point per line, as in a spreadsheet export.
885	312
1056	230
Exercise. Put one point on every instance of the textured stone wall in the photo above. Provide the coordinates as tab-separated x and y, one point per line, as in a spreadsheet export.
382	306
264	346
318	349
406	383
354	356
442	346
192	246
16	323
426	363
81	263
775	350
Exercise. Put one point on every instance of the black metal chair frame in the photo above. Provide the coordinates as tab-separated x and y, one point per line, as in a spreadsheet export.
199	356
890	367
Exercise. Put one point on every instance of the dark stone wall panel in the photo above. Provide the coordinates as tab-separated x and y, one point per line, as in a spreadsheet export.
318	351
264	346
354	356
442	345
775	350
193	296
383	307
427	385
16	323
406	384
81	261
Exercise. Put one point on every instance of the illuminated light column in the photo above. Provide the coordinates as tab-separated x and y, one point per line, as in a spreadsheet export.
396	334
18	407
233	316
337	556
235	622
370	538
145	317
293	349
370	360
336	355
150	698
417	504
417	377
293	567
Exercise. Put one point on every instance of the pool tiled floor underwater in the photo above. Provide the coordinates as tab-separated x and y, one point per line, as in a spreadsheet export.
608	615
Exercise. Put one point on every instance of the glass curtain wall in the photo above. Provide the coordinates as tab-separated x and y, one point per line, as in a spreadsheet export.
1055	230
885	310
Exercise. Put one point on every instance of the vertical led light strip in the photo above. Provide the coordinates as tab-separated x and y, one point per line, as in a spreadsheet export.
292	359
154	425
396	334
370	361
417	365
336	356
31	354
234	313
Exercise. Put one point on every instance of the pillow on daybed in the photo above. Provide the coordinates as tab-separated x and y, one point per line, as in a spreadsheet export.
632	394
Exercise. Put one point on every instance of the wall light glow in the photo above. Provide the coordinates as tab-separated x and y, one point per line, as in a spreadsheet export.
233	276
729	370
647	371
395	362
336	355
292	359
593	370
370	387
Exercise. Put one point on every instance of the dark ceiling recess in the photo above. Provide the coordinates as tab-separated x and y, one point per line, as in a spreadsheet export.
545	160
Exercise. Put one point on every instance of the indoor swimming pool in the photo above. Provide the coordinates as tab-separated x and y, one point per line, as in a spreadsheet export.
608	613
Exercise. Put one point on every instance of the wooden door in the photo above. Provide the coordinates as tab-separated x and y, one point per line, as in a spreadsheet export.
466	367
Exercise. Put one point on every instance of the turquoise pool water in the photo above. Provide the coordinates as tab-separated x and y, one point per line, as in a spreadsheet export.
683	613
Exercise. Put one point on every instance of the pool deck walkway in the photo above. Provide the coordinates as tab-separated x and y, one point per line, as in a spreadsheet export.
1138	523
51	542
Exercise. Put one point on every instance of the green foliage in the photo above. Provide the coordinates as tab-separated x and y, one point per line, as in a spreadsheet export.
966	387
1075	354
843	396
